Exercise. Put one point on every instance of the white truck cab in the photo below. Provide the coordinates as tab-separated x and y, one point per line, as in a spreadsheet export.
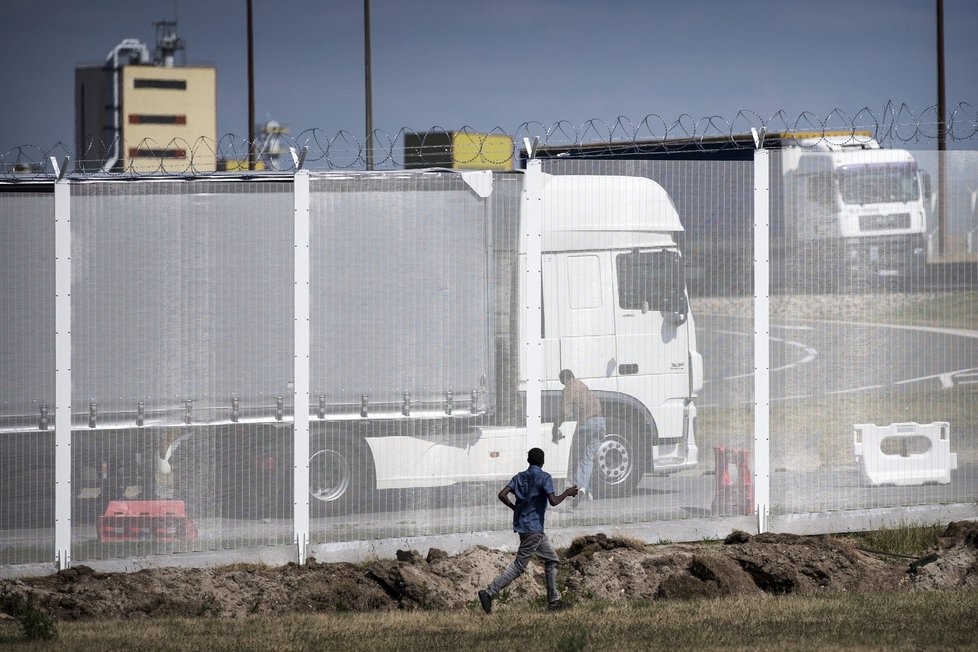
856	205
617	315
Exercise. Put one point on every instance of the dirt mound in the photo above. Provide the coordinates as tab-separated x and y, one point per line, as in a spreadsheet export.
595	568
956	562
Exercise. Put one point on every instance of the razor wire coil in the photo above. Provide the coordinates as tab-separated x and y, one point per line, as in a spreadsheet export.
342	150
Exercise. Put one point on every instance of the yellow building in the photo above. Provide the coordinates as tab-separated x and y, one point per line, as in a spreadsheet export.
133	116
170	118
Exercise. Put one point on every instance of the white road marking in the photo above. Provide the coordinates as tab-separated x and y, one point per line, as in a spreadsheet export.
970	373
947	379
855	389
810	353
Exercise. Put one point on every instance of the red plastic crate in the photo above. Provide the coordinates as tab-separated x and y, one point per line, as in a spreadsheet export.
146	520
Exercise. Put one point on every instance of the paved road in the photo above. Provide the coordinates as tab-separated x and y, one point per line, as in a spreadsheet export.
817	359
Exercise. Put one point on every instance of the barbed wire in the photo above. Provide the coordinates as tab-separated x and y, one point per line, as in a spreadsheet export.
893	126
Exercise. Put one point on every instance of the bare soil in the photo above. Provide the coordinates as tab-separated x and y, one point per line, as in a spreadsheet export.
593	568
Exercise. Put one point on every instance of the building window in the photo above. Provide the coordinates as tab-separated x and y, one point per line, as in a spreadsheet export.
169	84
139	152
144	119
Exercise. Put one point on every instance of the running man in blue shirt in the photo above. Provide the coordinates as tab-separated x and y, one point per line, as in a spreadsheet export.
532	490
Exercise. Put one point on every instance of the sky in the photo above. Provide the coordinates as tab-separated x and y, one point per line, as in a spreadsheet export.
502	63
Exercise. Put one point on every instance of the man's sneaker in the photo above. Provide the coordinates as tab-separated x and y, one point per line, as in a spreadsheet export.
486	600
557	605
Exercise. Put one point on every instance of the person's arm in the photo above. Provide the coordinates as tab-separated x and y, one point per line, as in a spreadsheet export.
503	496
555	432
568	492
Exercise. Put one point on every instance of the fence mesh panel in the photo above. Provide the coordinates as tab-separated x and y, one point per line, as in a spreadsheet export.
655	348
876	328
182	340
403	383
27	371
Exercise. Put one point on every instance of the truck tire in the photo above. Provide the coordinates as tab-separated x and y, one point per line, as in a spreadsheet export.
617	470
339	473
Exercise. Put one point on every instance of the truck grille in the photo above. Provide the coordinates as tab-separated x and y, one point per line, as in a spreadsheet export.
884	222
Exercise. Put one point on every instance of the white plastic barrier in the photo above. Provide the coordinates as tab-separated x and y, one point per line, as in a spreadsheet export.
932	465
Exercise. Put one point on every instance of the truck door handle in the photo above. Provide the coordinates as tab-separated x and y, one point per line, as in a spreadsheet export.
627	369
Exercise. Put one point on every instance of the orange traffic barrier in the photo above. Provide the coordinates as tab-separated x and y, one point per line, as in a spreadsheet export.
734	495
146	520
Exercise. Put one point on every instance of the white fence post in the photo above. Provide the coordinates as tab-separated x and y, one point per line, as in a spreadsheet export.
300	403
62	380
531	232
762	317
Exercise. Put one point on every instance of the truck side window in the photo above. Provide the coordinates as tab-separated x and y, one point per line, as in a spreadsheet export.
649	278
584	282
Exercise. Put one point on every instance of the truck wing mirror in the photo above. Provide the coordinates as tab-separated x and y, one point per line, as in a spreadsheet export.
678	309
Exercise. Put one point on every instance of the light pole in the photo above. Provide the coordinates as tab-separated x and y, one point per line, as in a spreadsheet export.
251	92
941	136
367	84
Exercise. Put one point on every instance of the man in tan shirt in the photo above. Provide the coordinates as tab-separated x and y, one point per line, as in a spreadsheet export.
577	403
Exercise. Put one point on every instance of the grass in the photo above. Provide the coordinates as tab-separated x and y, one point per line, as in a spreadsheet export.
916	540
891	621
35	625
824	425
955	310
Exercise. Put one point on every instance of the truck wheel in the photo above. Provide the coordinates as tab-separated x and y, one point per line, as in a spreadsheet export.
336	477
616	470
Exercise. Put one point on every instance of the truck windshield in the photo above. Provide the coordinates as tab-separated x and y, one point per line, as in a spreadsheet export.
652	279
877	184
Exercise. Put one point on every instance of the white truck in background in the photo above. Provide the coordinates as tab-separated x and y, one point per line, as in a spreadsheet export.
181	365
852	207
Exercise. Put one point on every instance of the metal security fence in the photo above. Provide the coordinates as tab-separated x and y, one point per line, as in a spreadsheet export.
332	364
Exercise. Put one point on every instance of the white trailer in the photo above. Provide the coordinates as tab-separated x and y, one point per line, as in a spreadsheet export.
181	331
